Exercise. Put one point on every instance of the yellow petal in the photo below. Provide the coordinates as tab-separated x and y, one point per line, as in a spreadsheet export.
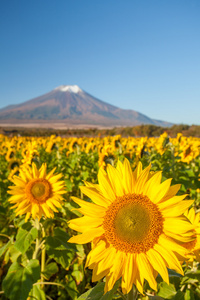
35	210
116	180
35	171
87	236
94	195
20	182
172	191
46	210
169	243
84	223
97	254
55	178
146	269
117	267
120	167
27	216
170	258
137	170
158	264
128	179
171	201
185	238
191	215
89	209
16	198
96	276
141	181
159	192
129	274
178	225
42	171
105	185
55	201
176	210
50	204
107	262
152	184
49	175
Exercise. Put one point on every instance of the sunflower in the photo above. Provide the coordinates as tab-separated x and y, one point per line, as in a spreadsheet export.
193	246
134	226
36	193
13	172
13	163
10	154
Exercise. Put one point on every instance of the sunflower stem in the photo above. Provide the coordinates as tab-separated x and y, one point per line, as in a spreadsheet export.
37	242
43	258
121	294
132	295
5	235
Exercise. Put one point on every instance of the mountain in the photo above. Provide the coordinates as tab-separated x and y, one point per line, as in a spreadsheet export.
71	105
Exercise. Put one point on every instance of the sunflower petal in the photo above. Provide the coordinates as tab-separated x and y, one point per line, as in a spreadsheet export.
115	180
87	236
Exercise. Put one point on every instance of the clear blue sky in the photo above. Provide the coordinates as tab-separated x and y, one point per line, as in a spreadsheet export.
136	54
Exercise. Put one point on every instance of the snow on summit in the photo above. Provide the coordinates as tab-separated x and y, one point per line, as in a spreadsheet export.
69	88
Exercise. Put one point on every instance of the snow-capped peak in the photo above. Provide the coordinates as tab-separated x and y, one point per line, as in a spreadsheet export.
69	88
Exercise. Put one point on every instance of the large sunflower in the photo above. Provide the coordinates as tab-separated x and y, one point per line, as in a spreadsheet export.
36	193
194	246
135	224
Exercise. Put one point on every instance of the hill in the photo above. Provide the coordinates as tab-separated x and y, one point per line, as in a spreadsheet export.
70	105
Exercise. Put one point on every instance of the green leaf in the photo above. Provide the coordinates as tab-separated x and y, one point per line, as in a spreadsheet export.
24	239
70	287
172	273
193	274
189	295
19	280
37	293
59	240
64	257
58	248
5	247
97	292
85	175
50	270
77	273
179	296
69	185
166	291
13	253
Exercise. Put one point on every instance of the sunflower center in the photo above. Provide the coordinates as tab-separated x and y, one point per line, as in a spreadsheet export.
38	190
129	222
133	223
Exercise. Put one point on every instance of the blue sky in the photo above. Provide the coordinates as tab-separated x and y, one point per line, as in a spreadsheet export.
135	54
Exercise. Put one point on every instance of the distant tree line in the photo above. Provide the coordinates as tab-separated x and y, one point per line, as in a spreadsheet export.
135	131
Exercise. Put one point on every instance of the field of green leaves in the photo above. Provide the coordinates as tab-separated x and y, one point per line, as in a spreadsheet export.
36	259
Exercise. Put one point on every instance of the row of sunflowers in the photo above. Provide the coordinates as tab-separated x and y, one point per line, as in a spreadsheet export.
99	218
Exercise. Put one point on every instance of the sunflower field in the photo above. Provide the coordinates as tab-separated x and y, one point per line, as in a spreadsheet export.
99	218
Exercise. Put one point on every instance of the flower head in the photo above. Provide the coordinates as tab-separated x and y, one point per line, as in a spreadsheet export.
134	224
194	246
36	193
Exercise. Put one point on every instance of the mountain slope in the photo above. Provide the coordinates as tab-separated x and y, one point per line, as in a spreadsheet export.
72	104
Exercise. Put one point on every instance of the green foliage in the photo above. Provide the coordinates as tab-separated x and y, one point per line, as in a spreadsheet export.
20	279
37	293
25	236
39	263
97	293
